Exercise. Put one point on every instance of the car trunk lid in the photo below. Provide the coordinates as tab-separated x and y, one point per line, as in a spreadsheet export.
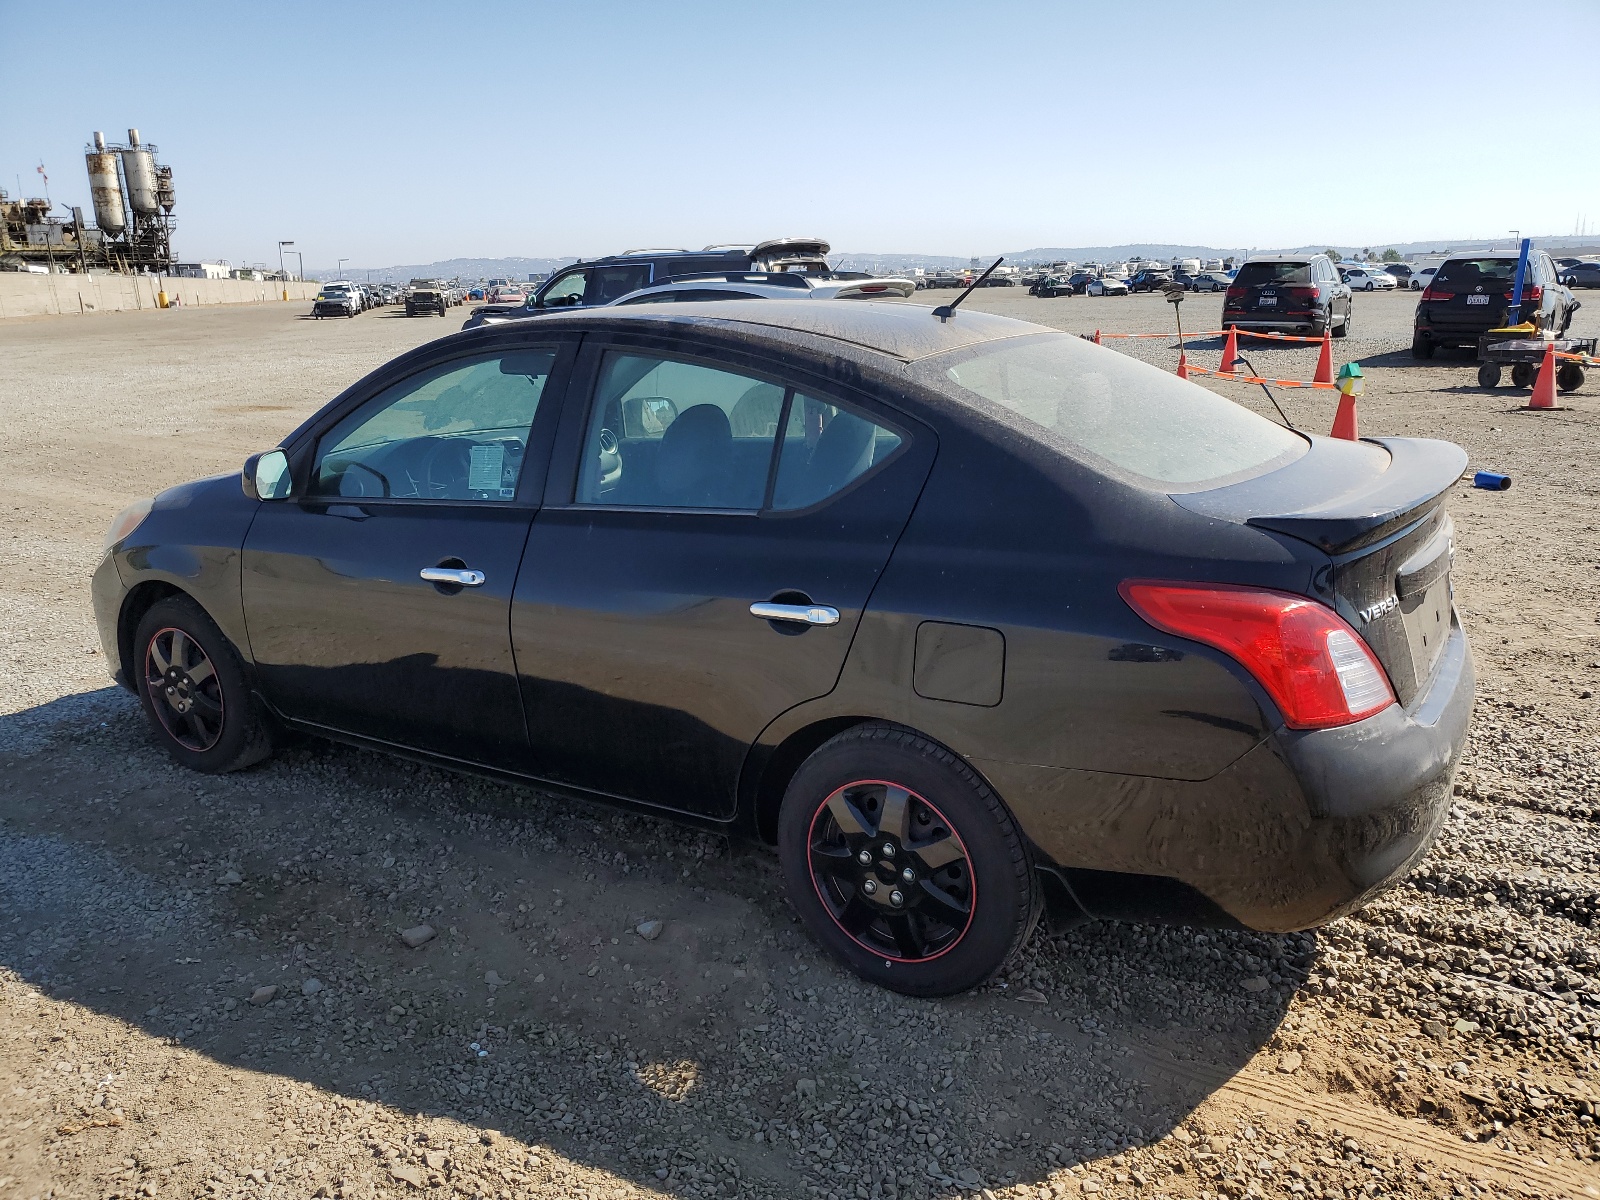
1376	508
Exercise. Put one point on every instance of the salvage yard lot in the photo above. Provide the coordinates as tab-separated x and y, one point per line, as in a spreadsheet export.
1442	1042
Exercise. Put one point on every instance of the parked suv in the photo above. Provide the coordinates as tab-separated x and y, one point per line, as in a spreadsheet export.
427	298
1298	294
1470	296
336	299
602	280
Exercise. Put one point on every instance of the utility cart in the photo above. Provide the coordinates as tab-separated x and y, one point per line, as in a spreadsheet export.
1524	354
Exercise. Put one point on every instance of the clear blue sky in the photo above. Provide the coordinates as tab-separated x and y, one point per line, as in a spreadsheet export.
404	132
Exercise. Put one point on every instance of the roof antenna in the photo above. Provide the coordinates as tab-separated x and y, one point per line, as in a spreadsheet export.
945	311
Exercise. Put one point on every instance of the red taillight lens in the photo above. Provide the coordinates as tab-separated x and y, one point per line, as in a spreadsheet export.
1302	293
1433	292
1235	292
1532	294
1314	666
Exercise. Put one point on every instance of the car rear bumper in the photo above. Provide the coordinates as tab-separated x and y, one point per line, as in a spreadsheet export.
1287	323
1299	831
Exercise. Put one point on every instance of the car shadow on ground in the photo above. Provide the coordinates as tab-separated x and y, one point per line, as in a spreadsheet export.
723	1047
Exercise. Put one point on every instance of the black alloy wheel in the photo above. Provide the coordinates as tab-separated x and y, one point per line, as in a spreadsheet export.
891	872
184	690
194	690
904	864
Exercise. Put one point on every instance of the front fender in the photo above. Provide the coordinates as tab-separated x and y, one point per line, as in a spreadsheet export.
193	541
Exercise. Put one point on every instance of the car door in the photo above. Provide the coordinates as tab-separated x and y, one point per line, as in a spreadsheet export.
377	597
698	486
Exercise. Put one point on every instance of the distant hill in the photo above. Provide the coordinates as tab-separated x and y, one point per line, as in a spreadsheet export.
518	269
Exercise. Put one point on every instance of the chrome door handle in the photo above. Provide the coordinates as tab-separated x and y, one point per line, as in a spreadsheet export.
453	575
804	614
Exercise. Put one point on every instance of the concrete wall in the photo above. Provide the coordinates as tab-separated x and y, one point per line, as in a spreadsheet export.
23	295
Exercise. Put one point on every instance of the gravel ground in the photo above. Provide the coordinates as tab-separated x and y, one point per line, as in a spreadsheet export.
204	990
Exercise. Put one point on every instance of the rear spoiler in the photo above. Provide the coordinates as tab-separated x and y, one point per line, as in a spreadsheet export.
1364	498
858	289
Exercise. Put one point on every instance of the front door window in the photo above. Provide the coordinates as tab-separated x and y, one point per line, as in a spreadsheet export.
456	432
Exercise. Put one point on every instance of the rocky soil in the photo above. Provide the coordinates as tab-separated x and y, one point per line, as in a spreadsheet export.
208	986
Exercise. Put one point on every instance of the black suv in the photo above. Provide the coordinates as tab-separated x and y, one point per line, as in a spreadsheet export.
602	280
1470	296
1149	280
1299	294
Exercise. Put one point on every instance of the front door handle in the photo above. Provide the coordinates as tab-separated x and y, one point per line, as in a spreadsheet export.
455	576
802	614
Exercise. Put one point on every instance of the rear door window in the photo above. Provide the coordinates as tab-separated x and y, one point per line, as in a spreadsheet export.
664	433
608	283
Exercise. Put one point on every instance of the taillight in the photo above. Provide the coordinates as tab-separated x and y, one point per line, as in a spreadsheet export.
1302	293
1434	292
1234	292
1532	294
1313	665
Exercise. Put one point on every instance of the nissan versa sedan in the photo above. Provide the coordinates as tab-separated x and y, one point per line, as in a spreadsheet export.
959	615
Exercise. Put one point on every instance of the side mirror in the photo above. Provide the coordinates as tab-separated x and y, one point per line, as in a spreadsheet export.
266	476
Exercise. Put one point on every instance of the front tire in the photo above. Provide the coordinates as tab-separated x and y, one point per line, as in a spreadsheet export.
194	691
947	893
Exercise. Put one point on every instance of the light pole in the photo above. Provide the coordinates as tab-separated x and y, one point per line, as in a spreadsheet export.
302	259
281	271
339	270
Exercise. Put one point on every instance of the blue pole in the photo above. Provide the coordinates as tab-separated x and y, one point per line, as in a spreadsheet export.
1516	291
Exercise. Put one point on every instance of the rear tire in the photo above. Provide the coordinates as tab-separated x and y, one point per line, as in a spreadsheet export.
938	841
194	691
1421	346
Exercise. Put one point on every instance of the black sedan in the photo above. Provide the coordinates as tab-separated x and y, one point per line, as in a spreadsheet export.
959	615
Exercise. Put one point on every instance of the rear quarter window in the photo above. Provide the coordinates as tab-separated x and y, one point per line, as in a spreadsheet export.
1094	403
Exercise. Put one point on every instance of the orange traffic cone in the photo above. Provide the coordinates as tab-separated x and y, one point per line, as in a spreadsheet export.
1230	352
1183	365
1344	421
1325	362
1544	387
1097	341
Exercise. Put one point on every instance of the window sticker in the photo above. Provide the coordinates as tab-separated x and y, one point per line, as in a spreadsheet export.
487	470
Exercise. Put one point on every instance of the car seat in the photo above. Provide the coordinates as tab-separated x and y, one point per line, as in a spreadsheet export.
693	460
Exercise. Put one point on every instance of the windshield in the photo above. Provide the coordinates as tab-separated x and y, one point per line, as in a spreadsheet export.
1062	390
1253	273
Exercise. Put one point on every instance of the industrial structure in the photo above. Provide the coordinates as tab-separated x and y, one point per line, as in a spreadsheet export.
132	197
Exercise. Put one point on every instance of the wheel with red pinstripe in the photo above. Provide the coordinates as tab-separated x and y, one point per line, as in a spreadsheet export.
904	864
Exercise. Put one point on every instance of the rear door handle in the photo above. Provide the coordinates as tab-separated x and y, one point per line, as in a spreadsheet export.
802	614
458	576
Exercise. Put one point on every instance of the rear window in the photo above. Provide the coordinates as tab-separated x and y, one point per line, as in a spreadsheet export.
1063	391
1254	273
1467	272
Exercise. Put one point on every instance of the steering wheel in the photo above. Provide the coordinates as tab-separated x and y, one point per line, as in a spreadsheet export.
446	466
383	480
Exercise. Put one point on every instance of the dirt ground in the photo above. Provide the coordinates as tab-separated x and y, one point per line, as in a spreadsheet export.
204	991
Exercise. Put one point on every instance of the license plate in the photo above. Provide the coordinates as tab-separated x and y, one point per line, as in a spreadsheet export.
1427	625
1266	302
1477	299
